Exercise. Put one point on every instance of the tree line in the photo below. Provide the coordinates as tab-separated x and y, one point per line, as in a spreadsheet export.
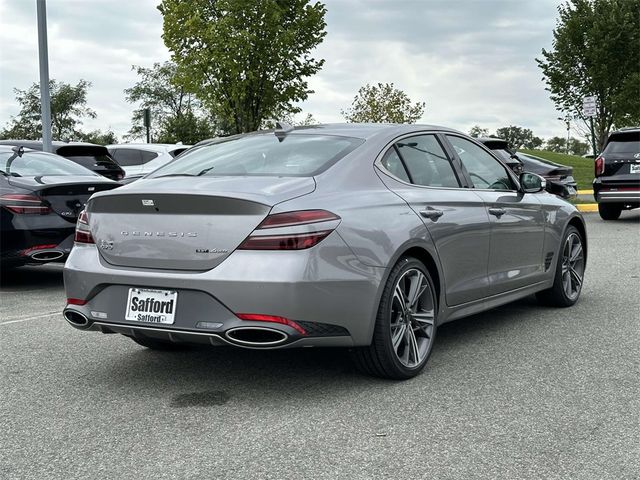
237	65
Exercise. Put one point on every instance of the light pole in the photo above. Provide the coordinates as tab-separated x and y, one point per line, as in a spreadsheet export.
43	54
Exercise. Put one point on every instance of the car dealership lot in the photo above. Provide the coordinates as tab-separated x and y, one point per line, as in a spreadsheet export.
519	392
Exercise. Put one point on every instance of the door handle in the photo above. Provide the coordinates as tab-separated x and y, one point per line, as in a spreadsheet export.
432	214
498	212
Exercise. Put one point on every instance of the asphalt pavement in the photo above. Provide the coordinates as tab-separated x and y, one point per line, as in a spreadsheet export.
522	391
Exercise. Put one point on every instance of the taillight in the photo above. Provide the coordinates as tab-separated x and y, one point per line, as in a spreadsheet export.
24	204
76	301
314	226
599	166
257	317
83	234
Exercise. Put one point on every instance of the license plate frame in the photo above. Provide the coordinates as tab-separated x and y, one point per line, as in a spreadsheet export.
151	305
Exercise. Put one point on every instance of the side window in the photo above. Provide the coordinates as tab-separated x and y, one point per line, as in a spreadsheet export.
127	157
392	163
148	156
427	162
485	171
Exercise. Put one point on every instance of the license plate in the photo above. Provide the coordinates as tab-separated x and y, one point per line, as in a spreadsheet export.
634	168
151	306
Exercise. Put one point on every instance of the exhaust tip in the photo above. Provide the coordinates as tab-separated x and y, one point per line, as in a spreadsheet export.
76	319
256	336
46	255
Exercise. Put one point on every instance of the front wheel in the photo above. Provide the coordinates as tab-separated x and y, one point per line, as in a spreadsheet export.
405	324
609	211
567	283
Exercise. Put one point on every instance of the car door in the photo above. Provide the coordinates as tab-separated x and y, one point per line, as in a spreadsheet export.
517	219
420	172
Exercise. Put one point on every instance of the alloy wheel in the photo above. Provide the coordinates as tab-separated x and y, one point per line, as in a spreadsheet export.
572	266
412	318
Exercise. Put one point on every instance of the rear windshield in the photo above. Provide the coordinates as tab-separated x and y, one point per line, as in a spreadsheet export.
34	164
93	161
504	155
624	143
261	155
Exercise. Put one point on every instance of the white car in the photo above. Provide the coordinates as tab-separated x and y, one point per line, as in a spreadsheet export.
142	158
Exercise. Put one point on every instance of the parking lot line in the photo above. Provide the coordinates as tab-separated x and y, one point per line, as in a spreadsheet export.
34	317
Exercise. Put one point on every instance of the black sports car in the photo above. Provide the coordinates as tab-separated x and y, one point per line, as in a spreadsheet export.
559	178
94	157
41	195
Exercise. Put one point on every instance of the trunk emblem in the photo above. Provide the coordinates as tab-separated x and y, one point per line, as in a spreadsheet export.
91	189
148	203
106	245
637	155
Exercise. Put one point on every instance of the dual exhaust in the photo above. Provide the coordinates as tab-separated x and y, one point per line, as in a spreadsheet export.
252	337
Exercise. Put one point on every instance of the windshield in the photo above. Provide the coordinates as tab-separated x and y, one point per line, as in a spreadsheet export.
35	164
262	155
624	143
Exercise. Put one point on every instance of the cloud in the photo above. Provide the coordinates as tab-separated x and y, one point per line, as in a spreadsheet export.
472	62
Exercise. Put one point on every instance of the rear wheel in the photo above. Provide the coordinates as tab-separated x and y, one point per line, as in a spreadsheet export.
609	211
405	325
154	344
567	283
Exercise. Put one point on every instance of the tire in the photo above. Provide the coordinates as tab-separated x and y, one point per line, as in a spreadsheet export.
569	268
153	344
609	211
403	336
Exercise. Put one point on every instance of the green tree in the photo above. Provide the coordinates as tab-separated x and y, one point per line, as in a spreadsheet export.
383	103
596	51
99	137
477	132
518	137
245	60
175	113
556	144
68	108
577	147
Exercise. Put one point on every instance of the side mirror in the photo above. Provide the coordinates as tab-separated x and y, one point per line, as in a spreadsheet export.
532	183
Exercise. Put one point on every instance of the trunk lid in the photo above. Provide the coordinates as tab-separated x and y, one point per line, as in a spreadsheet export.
66	195
193	224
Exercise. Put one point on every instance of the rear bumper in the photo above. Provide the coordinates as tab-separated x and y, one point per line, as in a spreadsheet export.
324	289
619	192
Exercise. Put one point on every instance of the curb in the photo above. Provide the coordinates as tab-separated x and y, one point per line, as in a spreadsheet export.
585	192
587	207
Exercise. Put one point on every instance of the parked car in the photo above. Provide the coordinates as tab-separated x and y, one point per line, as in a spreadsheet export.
501	148
559	177
138	159
41	195
363	236
94	157
616	186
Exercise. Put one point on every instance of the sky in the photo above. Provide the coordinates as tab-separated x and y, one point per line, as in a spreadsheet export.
471	61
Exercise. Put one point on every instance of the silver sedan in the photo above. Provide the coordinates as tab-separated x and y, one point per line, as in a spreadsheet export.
359	236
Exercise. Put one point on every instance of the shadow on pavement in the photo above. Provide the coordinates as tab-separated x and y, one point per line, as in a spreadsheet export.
31	277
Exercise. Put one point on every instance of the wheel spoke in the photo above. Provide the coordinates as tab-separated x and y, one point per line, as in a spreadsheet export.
566	282
398	335
417	286
413	346
576	253
424	320
399	296
576	278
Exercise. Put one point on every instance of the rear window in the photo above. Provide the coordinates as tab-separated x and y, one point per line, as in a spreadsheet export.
93	161
263	155
503	155
34	164
624	143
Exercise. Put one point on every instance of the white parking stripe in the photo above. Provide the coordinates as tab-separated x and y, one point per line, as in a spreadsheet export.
25	319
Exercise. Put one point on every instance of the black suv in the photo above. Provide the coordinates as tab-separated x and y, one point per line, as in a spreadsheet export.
617	171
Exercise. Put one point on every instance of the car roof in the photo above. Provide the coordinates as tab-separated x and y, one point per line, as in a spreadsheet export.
151	147
355	130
